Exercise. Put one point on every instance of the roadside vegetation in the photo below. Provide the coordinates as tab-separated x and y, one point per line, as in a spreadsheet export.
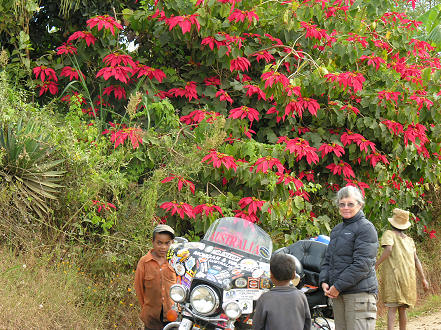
254	109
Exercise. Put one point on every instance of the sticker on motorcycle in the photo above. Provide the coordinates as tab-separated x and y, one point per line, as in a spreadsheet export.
242	294
185	281
258	272
248	264
246	306
189	264
263	251
180	269
253	283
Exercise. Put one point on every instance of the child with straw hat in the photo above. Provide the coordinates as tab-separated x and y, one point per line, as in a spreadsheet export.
398	273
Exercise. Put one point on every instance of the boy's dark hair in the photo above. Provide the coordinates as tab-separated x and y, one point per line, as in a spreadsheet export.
283	267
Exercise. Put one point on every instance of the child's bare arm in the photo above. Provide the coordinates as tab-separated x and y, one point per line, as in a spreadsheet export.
387	250
419	267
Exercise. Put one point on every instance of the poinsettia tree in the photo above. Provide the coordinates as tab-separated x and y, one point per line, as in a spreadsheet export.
311	96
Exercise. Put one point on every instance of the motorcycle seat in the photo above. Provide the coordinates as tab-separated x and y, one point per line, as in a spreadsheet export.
311	255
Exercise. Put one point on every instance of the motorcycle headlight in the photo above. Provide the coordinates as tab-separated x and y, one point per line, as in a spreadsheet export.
178	293
232	310
204	299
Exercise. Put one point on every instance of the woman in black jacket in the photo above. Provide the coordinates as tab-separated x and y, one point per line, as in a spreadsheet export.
348	272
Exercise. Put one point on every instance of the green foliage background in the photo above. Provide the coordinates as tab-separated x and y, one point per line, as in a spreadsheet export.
93	172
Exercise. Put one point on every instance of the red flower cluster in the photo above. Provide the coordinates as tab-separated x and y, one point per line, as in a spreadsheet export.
107	22
184	22
219	159
180	208
84	35
71	73
189	91
350	81
244	112
134	134
341	167
266	163
106	206
47	85
66	48
181	182
301	148
118	91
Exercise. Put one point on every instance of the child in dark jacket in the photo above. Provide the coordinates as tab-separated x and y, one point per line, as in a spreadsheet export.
284	307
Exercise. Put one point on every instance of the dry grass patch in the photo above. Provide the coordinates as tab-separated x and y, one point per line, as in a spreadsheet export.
38	293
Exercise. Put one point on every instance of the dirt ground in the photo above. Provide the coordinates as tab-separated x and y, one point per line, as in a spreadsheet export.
427	321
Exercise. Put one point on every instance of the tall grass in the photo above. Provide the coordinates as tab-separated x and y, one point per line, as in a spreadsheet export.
40	293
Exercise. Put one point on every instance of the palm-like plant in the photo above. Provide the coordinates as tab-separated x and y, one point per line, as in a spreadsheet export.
29	166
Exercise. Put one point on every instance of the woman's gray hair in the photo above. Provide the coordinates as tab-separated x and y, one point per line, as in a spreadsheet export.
350	191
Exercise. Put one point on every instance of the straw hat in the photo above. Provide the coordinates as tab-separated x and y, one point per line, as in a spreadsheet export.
400	219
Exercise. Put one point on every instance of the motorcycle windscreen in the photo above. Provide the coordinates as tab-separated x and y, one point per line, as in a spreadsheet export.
241	235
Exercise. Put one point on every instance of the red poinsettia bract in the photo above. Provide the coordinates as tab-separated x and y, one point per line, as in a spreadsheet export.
239	16
349	137
66	48
181	182
44	72
106	206
71	73
389	96
219	159
207	209
373	60
245	215
224	96
375	158
264	54
107	22
300	105
267	163
350	81
239	64
358	184
244	112
340	168
253	204
287	178
144	70
84	35
252	89
118	91
182	209
394	127
48	85
272	78
120	73
430	233
327	148
301	148
189	91
184	22
118	136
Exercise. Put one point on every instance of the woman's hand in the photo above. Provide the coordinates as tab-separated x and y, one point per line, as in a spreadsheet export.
330	292
333	292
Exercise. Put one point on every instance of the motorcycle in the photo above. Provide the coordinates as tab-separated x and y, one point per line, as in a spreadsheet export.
220	278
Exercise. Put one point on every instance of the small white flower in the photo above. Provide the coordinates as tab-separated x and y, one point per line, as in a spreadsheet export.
24	266
40	306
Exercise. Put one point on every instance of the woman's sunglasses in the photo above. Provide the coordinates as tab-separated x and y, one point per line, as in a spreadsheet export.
349	205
